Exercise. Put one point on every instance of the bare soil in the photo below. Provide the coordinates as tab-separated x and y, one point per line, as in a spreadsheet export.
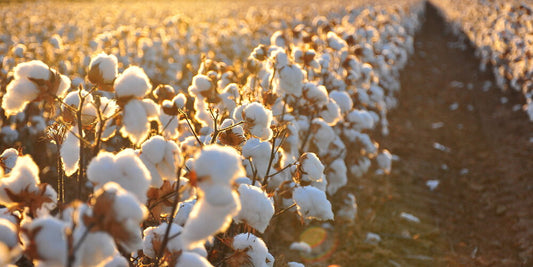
481	213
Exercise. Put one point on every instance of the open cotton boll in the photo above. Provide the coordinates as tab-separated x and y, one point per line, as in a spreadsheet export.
322	135
201	86
335	42
317	95
384	160
70	151
312	203
336	176
120	214
295	264
161	157
256	208
103	69
343	100
311	171
187	259
153	239
300	246
135	121
348	210
260	154
206	220
331	113
360	120
95	248
255	248
35	69
184	209
18	94
24	177
290	80
257	120
47	241
361	167
8	233
133	82
8	159
217	165
124	168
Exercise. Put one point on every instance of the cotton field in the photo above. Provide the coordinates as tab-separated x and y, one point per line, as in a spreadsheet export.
175	134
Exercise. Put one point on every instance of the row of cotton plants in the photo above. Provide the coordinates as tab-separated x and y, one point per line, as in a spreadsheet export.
501	33
193	176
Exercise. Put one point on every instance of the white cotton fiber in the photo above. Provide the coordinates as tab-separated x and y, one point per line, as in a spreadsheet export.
133	82
70	151
18	94
124	168
104	68
135	119
256	208
312	203
256	249
24	176
187	259
257	120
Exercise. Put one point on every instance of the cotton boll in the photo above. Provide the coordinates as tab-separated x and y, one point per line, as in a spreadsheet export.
295	264
151	108
135	121
18	93
46	238
384	160
161	157
119	213
290	80
8	158
217	166
312	203
300	246
70	151
124	168
206	220
201	86
103	69
316	95
95	248
133	82
35	69
322	135
256	208
8	233
343	100
257	120
184	209
23	177
361	167
260	154
360	120
335	42
331	113
187	259
153	239
348	210
336	176
255	248
311	169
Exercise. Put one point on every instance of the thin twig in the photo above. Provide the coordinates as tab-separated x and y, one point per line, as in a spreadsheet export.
81	163
285	209
170	220
72	253
191	127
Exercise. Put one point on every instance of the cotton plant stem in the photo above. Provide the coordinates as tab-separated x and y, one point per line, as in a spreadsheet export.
81	167
166	238
60	178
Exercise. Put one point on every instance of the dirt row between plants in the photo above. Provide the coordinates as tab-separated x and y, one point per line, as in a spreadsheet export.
455	128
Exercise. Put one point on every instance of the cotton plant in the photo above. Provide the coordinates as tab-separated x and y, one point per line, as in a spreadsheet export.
258	153
312	203
257	120
8	158
311	171
33	81
103	70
